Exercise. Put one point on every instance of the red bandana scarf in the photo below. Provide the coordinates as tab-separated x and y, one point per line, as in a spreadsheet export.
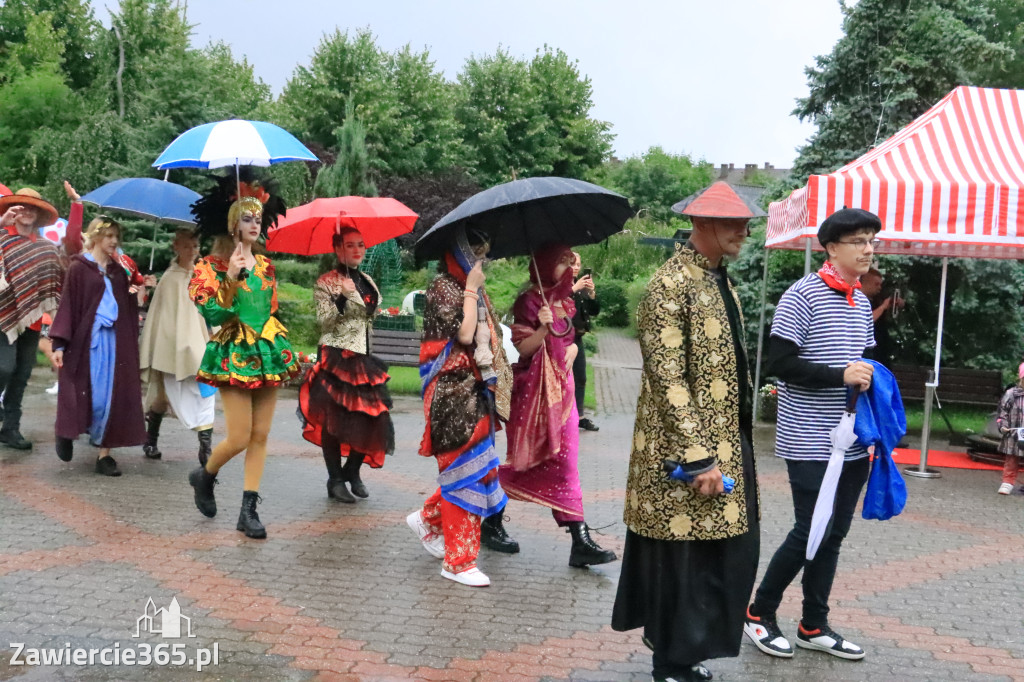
834	280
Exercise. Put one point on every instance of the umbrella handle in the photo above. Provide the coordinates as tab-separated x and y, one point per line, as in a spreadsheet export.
851	399
540	287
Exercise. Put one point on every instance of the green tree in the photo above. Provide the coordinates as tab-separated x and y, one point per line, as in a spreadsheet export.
894	61
654	180
71	20
349	175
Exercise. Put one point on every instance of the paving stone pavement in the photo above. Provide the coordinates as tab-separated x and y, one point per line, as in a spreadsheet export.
345	592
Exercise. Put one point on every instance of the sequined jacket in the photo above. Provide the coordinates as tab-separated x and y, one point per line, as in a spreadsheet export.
689	407
348	330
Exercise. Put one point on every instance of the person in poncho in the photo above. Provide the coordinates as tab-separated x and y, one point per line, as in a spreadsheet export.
344	402
466	392
95	345
173	343
31	277
249	357
543	428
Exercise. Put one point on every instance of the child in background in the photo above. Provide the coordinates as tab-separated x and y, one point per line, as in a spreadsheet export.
1010	418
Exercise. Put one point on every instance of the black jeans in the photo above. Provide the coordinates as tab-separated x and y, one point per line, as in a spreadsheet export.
805	480
579	374
16	362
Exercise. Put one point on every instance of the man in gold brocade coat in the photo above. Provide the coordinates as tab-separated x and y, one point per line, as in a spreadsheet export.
691	549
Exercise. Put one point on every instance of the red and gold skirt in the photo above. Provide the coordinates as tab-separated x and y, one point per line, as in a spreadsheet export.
345	395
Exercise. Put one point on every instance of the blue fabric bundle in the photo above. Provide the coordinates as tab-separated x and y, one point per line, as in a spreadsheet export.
881	422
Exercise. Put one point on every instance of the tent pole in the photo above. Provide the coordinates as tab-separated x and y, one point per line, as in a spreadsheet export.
807	258
760	339
922	470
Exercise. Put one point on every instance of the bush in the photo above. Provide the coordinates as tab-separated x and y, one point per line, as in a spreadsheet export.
297	272
615	310
298	313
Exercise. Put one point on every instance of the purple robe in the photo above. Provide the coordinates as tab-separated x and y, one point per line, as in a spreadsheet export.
72	332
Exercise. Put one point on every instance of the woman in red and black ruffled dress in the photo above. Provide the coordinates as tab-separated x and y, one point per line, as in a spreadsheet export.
344	401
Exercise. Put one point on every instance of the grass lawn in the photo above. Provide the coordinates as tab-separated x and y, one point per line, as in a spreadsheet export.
963	418
406	381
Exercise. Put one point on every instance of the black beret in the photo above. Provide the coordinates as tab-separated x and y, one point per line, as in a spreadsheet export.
846	221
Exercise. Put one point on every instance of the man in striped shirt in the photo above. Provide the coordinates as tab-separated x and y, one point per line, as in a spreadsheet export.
822	326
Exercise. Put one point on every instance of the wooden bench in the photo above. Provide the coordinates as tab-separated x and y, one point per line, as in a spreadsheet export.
956	386
396	347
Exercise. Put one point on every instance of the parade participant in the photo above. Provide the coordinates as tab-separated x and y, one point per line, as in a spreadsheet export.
821	330
691	551
466	391
31	275
1010	420
249	358
95	345
173	343
543	429
584	297
344	400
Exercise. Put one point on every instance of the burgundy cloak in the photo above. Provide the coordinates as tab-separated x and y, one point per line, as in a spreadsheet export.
72	331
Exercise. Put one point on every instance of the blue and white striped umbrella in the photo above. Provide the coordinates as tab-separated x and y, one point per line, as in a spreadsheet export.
233	143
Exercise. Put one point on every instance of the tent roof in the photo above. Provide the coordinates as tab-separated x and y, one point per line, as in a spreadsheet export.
951	183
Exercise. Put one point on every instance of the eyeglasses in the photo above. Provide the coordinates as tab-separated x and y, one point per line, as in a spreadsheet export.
861	243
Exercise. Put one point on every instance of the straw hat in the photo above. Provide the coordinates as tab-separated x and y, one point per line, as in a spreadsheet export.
26	196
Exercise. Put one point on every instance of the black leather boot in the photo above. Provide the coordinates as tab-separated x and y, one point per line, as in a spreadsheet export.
336	490
203	481
351	474
585	552
205	445
494	536
65	449
248	519
153	421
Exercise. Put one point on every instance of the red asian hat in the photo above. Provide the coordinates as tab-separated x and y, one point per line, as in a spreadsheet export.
722	200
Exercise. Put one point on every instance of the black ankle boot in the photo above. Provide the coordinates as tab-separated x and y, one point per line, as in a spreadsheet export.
205	445
248	519
494	536
336	490
153	421
65	449
351	474
203	481
585	552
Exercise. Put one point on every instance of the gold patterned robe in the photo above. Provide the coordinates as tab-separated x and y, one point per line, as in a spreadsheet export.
689	406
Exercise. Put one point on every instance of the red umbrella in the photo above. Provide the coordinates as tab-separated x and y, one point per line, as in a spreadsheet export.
4	190
307	230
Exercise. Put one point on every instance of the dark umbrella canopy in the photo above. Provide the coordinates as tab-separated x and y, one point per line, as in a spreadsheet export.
523	214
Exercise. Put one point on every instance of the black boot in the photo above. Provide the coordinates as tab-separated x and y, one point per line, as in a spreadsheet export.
351	473
65	449
205	445
153	421
203	482
336	490
248	520
585	552
494	536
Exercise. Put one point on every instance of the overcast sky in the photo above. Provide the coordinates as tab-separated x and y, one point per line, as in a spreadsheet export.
716	80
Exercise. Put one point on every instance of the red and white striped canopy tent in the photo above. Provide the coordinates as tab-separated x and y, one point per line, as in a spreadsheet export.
951	183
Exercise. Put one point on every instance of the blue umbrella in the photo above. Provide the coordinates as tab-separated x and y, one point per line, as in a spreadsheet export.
232	143
148	198
157	200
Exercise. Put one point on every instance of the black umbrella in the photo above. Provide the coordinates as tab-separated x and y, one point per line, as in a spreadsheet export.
524	214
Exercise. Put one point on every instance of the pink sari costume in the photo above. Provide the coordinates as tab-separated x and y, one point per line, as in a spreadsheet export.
543	427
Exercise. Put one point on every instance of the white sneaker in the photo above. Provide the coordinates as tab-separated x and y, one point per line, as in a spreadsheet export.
1005	488
432	542
52	390
473	577
826	639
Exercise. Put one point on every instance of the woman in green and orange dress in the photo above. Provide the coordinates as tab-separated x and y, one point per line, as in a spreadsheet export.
248	359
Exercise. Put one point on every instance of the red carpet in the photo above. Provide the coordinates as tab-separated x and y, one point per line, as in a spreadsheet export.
942	458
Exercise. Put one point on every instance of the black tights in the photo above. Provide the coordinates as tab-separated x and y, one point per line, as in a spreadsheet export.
332	458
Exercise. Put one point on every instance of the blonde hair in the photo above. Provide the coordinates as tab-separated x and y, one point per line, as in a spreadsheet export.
100	227
243	205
